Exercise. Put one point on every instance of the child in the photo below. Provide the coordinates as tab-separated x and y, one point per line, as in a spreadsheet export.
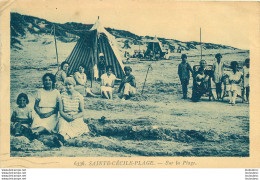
128	84
184	70
21	119
218	68
246	80
226	87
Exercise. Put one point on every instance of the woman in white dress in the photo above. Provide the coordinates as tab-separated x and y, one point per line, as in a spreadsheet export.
46	107
71	122
235	78
107	83
81	82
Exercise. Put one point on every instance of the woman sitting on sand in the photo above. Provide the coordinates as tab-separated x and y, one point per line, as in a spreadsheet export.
81	82
46	107
107	83
61	75
71	108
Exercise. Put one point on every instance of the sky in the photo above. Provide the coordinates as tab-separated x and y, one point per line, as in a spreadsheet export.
228	23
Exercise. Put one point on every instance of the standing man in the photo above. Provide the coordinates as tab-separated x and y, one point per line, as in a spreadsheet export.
184	70
218	70
101	64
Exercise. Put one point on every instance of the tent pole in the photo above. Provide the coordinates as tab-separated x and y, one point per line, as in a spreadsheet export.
145	78
200	46
56	47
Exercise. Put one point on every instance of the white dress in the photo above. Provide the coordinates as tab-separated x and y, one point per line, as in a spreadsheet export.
233	79
47	102
71	106
107	81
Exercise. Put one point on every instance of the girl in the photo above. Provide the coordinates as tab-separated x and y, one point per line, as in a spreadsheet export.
81	82
71	107
21	119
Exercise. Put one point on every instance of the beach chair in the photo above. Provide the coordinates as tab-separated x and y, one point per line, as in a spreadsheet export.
209	72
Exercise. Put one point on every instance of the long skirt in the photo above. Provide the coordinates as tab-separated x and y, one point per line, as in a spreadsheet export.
72	129
49	123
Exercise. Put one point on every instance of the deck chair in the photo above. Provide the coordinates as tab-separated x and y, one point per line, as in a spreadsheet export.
207	91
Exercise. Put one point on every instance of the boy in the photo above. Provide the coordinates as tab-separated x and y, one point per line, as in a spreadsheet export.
128	84
184	70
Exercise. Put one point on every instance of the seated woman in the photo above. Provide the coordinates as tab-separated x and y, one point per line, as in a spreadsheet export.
128	84
235	78
81	82
61	75
71	108
200	82
107	83
46	106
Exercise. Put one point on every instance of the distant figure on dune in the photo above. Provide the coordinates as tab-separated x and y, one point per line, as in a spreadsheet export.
107	83
61	75
184	70
81	82
128	84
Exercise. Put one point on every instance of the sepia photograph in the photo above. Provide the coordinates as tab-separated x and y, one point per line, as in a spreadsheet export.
157	79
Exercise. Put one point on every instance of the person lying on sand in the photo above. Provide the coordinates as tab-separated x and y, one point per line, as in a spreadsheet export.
107	83
81	82
128	84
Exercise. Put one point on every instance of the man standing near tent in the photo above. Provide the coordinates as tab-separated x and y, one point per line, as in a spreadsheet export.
101	64
184	70
218	68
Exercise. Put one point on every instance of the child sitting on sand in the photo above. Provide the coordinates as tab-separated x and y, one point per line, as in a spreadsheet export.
21	119
128	84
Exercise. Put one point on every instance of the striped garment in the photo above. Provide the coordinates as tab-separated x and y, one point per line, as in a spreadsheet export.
71	103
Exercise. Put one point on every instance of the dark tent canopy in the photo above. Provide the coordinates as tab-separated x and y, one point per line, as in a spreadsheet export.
88	48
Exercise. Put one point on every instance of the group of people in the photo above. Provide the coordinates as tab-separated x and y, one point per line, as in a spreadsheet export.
59	105
214	80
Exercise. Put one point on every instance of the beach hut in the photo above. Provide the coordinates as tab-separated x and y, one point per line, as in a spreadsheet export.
90	45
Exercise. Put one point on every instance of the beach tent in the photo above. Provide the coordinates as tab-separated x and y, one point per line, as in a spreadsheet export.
93	42
155	46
